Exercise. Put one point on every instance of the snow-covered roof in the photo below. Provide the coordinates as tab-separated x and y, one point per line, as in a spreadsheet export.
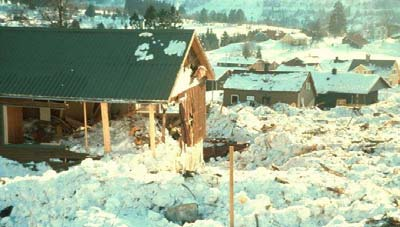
286	68
238	60
291	82
351	83
220	71
299	36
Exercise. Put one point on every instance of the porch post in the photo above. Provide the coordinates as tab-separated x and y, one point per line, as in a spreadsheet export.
152	130
164	124
85	125
106	127
5	124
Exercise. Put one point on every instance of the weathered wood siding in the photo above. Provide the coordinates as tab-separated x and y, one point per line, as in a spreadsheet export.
192	110
330	99
275	97
15	125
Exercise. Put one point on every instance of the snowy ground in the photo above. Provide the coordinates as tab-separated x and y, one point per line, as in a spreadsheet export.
306	168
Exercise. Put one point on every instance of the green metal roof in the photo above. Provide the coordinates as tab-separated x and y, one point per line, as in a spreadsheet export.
90	65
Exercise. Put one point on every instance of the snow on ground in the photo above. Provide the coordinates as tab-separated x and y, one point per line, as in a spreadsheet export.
232	29
304	167
325	51
11	169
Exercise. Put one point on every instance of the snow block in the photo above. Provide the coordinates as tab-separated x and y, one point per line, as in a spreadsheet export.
183	213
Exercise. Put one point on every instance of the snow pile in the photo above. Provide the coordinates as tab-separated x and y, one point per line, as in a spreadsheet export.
10	168
304	167
175	47
142	52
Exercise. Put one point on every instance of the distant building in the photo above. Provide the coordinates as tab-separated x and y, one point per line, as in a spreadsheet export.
296	39
296	64
348	88
275	34
236	62
388	69
355	40
267	89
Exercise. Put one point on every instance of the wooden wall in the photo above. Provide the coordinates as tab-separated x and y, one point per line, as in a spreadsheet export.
15	125
192	109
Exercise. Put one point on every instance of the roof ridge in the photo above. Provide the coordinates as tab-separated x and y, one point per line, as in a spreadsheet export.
94	30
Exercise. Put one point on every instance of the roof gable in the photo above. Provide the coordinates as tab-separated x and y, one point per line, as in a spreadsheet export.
92	65
372	64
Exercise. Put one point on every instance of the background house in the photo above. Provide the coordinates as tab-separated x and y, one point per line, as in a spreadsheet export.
388	69
355	40
335	88
267	89
45	71
296	39
275	34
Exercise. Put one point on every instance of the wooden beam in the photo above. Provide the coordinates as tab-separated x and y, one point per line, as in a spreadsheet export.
231	191
85	125
106	127
152	130
164	124
5	125
32	103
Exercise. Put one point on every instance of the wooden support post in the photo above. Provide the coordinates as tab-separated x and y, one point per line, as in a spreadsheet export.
164	124
106	127
152	130
85	125
231	192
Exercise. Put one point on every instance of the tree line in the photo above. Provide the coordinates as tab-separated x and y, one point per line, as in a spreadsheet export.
233	17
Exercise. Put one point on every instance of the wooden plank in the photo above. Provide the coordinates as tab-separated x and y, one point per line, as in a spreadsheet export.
85	125
152	130
5	125
32	104
106	127
45	114
164	124
15	125
231	189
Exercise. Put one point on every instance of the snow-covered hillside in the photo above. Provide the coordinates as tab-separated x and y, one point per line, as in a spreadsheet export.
323	52
304	167
361	14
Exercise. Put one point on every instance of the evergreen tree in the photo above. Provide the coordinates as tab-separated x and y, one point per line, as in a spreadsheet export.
182	10
259	54
315	31
174	17
240	17
100	26
90	11
203	17
75	24
225	39
337	21
247	50
210	40
150	16
163	19
133	20
232	16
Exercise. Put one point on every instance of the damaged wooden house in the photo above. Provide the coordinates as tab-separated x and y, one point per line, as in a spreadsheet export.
269	88
60	75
